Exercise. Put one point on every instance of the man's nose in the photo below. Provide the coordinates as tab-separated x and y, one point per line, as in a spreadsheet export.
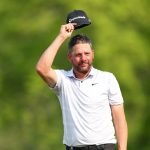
83	57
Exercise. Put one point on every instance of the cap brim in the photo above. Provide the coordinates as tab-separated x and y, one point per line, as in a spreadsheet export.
81	23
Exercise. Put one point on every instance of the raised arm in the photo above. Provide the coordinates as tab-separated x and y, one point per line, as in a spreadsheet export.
44	65
120	126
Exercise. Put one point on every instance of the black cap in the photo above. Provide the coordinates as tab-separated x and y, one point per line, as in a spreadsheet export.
79	17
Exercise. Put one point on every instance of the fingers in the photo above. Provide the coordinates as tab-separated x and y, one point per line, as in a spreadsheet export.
67	30
69	27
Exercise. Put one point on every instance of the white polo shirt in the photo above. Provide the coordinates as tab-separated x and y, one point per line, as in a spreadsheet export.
85	106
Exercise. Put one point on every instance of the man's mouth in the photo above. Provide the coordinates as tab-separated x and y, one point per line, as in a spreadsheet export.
83	64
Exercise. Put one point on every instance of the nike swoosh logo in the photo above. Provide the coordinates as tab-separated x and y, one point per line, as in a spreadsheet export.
94	84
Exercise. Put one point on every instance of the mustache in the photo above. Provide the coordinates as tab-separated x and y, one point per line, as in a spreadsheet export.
83	62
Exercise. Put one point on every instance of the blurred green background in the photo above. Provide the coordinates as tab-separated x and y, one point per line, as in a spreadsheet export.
30	115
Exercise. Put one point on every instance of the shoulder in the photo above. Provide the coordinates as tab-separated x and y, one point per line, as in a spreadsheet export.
62	78
104	74
63	72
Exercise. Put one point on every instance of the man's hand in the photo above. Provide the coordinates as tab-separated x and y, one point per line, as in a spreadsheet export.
66	30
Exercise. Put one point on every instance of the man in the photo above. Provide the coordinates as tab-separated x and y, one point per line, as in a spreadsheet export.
90	99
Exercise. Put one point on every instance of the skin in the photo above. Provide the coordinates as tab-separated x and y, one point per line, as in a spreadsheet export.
81	58
120	124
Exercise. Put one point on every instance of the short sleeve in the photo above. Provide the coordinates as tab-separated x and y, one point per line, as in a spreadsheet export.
114	93
58	83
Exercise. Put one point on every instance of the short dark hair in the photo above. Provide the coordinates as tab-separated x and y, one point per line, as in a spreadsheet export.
79	38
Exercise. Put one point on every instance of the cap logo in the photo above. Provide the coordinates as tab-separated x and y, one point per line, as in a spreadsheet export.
75	18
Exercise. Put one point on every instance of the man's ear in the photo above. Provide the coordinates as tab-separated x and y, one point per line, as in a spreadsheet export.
69	57
93	53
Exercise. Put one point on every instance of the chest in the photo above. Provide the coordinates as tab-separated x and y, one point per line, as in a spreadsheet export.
89	90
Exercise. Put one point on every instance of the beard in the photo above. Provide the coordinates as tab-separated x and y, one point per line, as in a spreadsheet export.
83	67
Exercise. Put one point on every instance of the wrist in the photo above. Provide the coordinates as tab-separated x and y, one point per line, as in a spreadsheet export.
61	38
122	148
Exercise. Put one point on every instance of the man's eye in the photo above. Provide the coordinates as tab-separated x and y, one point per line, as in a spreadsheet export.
87	53
78	55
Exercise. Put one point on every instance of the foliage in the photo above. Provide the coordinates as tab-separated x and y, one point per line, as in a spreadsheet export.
30	115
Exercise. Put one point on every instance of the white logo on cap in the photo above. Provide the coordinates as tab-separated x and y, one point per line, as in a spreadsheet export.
79	17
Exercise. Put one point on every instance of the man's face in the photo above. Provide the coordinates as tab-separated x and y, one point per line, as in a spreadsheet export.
81	57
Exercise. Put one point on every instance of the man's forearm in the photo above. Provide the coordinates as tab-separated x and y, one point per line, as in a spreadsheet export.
120	126
46	60
122	134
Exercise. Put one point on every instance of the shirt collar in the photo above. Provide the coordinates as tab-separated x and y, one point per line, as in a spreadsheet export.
71	74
